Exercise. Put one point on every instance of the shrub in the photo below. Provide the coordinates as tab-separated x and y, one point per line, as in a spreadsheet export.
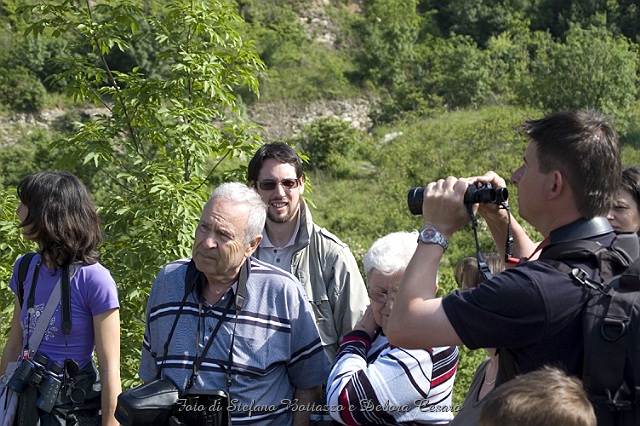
20	90
331	145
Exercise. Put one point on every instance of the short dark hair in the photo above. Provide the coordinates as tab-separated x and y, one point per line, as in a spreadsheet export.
62	218
278	151
631	182
584	147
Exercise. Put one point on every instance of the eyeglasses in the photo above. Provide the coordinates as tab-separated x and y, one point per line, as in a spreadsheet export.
380	297
270	185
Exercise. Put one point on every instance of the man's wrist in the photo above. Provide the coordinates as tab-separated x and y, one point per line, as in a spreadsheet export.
431	235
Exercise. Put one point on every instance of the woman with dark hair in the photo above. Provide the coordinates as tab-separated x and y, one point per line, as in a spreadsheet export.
624	216
57	213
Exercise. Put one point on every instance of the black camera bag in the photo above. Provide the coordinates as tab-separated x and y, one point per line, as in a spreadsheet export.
150	404
153	403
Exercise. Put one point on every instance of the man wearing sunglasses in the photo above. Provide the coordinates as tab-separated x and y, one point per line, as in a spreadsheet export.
324	265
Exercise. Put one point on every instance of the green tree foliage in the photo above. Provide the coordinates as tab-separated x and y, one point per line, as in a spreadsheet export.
297	69
621	16
389	31
20	90
332	146
158	140
478	19
458	71
510	61
592	68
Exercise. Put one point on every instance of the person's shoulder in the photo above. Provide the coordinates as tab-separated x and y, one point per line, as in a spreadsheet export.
93	272
445	352
266	271
170	281
328	237
267	277
92	268
532	268
174	266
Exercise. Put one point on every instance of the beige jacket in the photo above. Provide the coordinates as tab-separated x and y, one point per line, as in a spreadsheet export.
330	276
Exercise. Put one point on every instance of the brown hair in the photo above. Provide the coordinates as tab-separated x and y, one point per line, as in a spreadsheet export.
545	397
61	218
466	271
631	182
278	151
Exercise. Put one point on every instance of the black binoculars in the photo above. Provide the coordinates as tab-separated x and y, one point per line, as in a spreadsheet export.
480	193
35	373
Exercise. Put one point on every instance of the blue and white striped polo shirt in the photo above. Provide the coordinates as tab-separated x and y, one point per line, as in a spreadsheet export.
276	348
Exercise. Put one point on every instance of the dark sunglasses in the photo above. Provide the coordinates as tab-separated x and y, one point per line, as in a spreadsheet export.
270	185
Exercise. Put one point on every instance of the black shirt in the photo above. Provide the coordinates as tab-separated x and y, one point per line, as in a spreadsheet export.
533	311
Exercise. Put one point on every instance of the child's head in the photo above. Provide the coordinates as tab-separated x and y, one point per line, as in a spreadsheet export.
545	397
467	274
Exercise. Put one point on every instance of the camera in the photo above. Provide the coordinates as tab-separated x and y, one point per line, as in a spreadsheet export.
28	373
49	388
479	193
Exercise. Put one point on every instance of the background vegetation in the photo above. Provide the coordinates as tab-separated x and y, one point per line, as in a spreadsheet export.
155	98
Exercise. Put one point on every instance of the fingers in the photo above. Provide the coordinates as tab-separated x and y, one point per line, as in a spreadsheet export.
490	177
443	206
451	187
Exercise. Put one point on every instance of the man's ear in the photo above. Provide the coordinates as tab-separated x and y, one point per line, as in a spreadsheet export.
301	179
252	246
556	184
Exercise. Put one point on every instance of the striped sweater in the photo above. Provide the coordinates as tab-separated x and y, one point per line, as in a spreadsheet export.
372	382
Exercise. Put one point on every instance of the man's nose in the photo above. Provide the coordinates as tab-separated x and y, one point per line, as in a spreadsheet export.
515	176
210	240
279	189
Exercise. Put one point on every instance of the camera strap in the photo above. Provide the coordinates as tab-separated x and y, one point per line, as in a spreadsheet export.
482	263
239	299
192	278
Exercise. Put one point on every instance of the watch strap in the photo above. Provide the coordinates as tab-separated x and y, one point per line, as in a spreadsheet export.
430	235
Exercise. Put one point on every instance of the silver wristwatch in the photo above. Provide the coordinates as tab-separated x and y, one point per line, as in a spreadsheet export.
430	235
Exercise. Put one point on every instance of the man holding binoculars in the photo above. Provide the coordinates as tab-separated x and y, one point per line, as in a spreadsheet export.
568	181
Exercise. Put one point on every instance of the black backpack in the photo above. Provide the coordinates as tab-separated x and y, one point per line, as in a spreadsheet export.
611	324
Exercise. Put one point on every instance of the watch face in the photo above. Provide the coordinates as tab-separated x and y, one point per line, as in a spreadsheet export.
428	233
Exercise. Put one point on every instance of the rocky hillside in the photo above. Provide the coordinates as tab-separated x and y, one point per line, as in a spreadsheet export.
278	121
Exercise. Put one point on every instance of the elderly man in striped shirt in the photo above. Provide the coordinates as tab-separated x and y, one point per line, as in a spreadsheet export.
229	322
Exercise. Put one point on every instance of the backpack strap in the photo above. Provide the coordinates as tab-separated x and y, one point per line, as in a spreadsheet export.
610	261
65	298
609	339
609	336
630	279
23	268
